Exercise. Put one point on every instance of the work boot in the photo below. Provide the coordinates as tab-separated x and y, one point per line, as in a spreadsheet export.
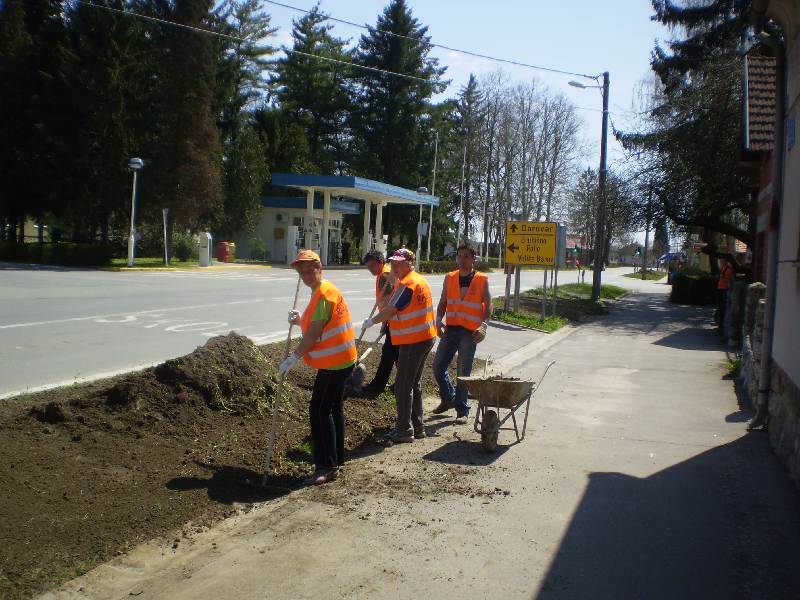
419	432
397	437
444	407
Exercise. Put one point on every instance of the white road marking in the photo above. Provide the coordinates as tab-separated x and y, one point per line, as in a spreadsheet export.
95	317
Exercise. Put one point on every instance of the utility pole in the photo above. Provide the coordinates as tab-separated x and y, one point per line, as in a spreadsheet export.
433	193
461	204
647	232
598	251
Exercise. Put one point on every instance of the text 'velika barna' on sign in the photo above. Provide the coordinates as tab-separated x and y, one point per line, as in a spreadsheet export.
530	243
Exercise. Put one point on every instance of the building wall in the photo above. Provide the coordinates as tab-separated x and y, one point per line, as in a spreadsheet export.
787	314
276	232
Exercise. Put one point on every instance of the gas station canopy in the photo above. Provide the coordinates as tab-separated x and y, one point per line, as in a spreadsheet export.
356	188
352	188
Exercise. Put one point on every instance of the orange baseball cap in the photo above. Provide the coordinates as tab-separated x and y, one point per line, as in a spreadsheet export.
304	256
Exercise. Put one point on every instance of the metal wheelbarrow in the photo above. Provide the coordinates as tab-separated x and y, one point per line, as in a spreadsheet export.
495	393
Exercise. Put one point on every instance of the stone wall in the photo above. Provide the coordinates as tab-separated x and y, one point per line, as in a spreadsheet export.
735	311
783	421
752	332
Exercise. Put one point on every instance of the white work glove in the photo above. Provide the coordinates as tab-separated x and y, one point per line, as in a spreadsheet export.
294	317
368	322
440	328
480	334
287	365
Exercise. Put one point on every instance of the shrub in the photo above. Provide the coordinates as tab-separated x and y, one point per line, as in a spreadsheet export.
64	254
445	266
693	287
185	246
258	248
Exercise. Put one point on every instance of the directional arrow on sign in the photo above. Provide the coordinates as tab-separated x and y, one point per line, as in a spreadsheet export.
513	247
513	228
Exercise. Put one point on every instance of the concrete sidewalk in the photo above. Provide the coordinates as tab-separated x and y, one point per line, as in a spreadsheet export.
636	480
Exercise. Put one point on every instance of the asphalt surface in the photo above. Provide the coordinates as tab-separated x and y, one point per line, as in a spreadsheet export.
636	479
63	326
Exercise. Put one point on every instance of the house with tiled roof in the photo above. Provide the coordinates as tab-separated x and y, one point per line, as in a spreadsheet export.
773	347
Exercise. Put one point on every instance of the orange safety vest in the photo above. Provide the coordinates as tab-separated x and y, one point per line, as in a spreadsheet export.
415	323
725	277
381	305
336	344
467	312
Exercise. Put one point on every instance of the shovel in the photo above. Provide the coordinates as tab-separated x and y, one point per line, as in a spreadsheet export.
356	378
277	404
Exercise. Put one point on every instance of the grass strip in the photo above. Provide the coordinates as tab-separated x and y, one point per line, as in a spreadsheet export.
650	276
606	291
549	324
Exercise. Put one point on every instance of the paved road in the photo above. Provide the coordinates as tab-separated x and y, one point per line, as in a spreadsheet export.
64	326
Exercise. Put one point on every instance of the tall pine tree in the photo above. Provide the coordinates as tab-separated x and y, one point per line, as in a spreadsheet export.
314	92
184	155
392	125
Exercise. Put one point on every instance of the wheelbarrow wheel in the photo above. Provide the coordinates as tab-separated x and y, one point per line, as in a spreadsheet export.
489	437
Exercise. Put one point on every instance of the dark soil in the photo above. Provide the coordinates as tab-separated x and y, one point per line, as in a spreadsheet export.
88	472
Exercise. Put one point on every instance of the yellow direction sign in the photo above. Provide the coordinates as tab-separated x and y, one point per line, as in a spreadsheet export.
531	243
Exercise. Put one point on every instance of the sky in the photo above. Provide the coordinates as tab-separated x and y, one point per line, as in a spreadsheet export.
578	36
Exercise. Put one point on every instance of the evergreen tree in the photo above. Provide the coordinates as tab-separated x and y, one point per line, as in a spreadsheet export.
314	92
28	28
693	128
392	126
471	111
184	154
245	174
241	65
93	113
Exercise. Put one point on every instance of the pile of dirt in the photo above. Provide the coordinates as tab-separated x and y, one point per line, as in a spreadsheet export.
90	471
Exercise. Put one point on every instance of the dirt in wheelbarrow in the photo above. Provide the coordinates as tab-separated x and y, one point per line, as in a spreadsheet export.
90	471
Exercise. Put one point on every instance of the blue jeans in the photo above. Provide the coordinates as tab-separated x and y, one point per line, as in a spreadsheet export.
456	339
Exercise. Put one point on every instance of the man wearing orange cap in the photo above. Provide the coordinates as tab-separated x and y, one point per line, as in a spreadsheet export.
328	345
411	321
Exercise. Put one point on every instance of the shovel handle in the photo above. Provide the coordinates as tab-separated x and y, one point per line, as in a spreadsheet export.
276	404
372	312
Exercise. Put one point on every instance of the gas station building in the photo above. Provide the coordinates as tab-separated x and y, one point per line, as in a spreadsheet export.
314	222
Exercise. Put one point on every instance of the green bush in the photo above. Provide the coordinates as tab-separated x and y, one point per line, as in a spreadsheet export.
445	266
185	246
62	253
258	248
693	287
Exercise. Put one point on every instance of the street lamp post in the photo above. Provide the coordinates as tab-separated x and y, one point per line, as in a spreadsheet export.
601	210
462	222
433	193
134	165
422	191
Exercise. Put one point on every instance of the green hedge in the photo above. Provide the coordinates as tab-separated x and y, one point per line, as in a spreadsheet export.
691	288
73	255
445	266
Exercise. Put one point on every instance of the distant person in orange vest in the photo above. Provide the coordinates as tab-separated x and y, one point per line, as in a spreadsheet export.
410	315
376	263
329	346
725	276
462	317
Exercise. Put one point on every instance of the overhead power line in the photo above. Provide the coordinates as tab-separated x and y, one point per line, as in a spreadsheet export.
230	37
492	58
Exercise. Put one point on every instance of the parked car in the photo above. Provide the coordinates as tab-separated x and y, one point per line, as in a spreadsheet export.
448	256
